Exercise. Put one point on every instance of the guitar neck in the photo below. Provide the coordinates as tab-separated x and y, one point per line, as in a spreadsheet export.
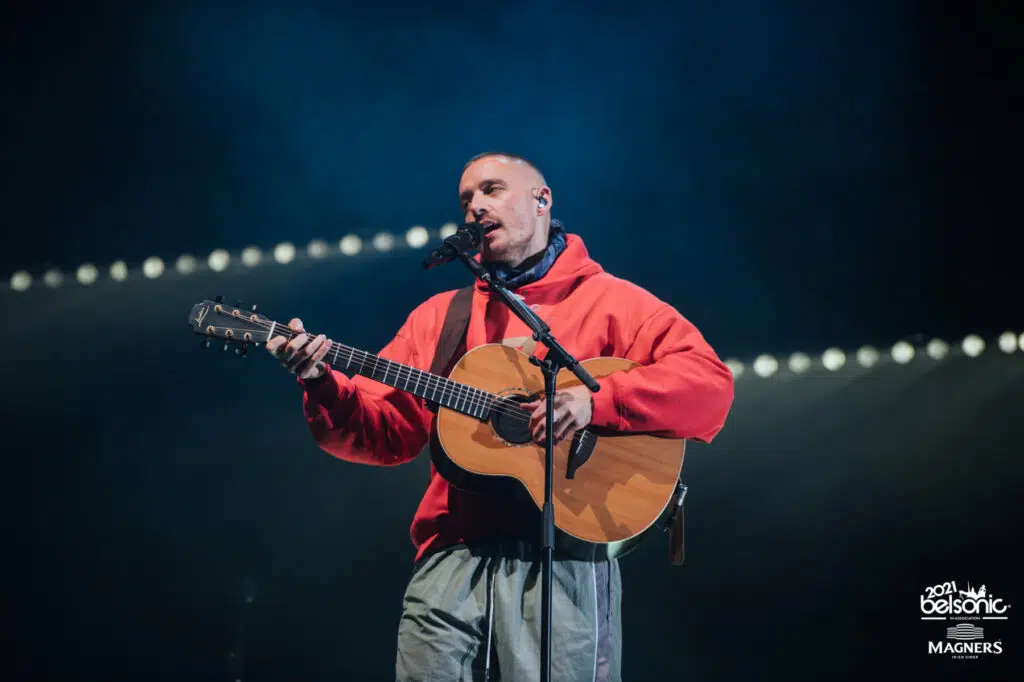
431	387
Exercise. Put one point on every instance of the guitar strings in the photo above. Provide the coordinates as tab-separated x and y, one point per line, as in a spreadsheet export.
461	391
471	395
483	398
487	400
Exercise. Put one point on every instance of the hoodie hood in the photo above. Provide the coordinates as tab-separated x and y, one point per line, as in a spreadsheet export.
569	267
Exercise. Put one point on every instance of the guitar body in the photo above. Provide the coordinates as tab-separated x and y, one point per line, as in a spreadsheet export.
622	487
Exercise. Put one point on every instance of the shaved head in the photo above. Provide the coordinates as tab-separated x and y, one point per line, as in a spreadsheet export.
503	158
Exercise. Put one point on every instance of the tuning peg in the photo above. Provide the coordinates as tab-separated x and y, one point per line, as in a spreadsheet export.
242	352
254	308
219	299
205	343
224	347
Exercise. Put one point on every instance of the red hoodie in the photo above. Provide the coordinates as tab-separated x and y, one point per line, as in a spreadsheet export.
683	391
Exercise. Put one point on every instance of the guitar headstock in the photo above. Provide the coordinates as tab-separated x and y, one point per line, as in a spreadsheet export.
230	325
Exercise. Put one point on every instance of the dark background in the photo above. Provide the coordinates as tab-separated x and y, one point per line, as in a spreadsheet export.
790	175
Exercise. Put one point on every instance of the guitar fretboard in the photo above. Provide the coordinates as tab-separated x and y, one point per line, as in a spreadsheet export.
432	387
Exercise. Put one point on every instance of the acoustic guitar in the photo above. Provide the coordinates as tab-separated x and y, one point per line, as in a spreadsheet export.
609	489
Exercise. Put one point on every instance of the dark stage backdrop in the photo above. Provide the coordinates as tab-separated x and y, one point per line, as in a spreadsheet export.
146	480
790	175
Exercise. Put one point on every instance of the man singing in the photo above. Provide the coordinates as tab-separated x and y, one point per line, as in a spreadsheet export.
472	608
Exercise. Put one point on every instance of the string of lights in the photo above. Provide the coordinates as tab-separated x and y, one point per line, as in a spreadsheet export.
220	259
763	366
901	353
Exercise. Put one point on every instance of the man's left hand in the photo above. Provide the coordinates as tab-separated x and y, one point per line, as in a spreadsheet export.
574	408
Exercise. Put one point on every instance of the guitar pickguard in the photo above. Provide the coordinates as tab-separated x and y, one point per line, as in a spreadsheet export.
582	448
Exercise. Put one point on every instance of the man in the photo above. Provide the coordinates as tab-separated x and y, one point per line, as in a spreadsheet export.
472	607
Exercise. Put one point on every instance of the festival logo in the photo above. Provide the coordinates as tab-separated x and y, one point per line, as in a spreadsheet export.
966	639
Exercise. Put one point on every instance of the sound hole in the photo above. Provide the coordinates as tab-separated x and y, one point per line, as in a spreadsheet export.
509	421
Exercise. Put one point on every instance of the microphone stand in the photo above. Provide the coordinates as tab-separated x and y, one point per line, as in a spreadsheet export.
557	358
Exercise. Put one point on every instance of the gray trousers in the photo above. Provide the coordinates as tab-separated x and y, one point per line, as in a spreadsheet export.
474	613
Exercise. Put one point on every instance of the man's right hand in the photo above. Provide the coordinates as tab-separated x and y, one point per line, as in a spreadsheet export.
303	354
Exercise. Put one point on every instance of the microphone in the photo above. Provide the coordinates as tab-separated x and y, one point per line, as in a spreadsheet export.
466	238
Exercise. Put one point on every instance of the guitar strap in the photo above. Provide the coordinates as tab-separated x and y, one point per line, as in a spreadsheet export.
453	335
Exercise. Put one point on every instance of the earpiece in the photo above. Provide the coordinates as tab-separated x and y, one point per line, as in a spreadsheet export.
542	201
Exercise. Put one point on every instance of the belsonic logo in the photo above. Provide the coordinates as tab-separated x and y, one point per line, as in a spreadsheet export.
963	640
945	601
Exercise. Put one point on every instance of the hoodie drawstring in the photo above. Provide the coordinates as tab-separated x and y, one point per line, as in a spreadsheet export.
490	616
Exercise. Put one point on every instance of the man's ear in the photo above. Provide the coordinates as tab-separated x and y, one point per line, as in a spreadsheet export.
542	195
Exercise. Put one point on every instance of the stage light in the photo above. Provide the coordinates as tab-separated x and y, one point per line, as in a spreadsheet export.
417	236
448	229
350	244
87	274
1007	342
867	356
317	248
973	345
383	241
765	366
219	260
53	278
735	366
833	359
799	363
937	349
152	267
119	271
902	352
252	256
21	281
186	264
284	252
